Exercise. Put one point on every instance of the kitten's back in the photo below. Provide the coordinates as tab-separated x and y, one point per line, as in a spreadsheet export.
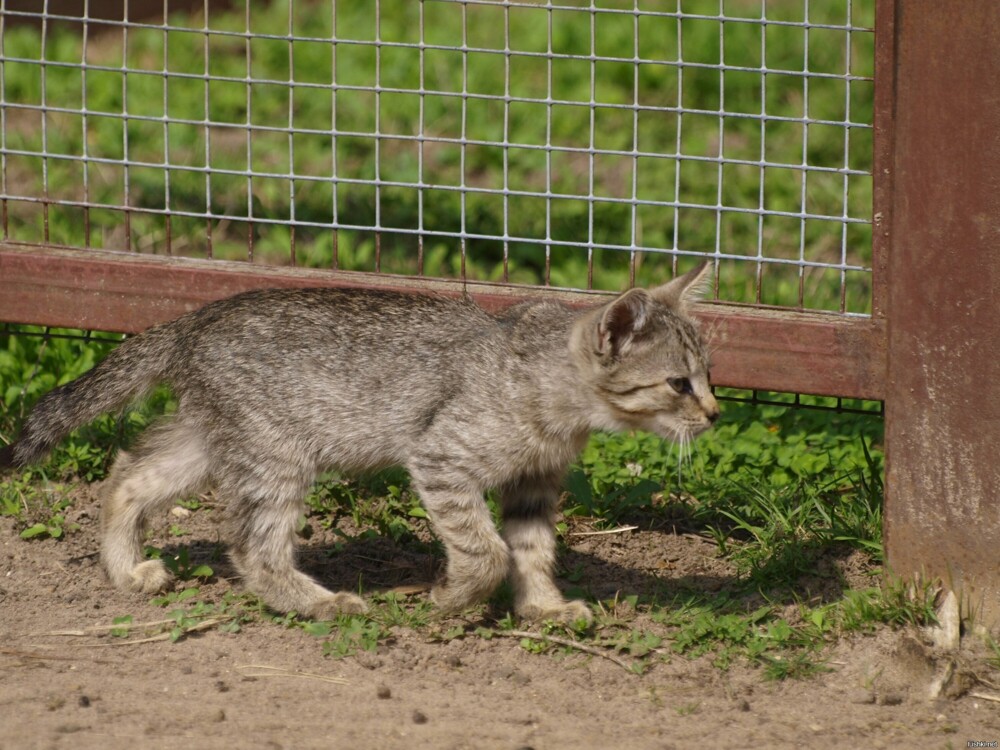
358	375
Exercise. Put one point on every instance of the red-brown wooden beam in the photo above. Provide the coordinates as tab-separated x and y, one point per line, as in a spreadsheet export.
756	348
942	91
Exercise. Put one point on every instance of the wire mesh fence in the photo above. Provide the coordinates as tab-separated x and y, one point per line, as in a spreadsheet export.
585	145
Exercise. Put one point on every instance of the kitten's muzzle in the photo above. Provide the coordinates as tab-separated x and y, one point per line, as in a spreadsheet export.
710	407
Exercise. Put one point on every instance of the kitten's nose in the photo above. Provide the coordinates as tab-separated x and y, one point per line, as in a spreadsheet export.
713	415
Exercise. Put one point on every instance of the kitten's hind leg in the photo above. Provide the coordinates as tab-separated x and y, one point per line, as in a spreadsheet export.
168	463
263	544
529	508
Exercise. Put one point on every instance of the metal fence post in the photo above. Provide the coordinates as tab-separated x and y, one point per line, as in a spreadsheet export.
943	411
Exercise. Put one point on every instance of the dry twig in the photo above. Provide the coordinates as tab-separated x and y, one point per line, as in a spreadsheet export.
986	697
129	626
569	643
605	532
203	625
98	629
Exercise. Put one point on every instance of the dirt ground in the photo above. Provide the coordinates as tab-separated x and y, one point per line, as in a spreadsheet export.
269	686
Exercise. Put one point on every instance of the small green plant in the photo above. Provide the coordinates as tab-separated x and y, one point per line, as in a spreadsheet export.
175	597
180	563
54	524
190	503
352	633
53	528
227	615
392	610
687	709
125	621
702	629
345	635
793	665
609	506
380	503
637	643
994	648
897	604
317	628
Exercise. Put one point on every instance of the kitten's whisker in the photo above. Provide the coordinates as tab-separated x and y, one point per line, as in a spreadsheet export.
683	454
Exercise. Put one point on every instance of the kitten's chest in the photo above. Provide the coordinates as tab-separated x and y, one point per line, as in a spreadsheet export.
515	449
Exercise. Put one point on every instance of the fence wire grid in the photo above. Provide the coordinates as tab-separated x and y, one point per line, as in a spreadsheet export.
581	145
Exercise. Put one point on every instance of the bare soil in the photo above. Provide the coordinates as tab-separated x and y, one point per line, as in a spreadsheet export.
270	686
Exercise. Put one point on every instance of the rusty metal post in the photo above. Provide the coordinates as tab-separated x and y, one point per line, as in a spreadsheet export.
942	518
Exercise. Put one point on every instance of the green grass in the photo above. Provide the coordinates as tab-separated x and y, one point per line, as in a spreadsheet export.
786	478
188	144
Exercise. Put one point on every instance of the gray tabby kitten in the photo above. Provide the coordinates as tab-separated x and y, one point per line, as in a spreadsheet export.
276	386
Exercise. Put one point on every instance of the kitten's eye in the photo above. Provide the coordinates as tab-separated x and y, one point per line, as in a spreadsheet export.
681	385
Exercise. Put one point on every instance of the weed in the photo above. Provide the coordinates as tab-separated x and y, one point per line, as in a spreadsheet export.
54	528
701	630
637	643
352	633
345	635
793	665
227	616
687	709
190	503
610	506
122	632
394	611
994	648
180	563
38	504
175	597
895	604
380	502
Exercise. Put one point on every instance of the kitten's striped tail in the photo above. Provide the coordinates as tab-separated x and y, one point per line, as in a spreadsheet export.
128	372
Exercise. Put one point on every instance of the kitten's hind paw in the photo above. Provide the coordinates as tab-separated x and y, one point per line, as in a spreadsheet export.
573	612
149	577
340	603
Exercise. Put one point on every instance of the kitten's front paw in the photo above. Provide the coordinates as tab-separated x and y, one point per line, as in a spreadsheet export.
444	599
567	613
149	577
448	600
340	603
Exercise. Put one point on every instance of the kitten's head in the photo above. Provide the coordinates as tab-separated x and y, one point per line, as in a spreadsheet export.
646	361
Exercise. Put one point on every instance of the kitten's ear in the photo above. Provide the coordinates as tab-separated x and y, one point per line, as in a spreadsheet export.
621	321
680	293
